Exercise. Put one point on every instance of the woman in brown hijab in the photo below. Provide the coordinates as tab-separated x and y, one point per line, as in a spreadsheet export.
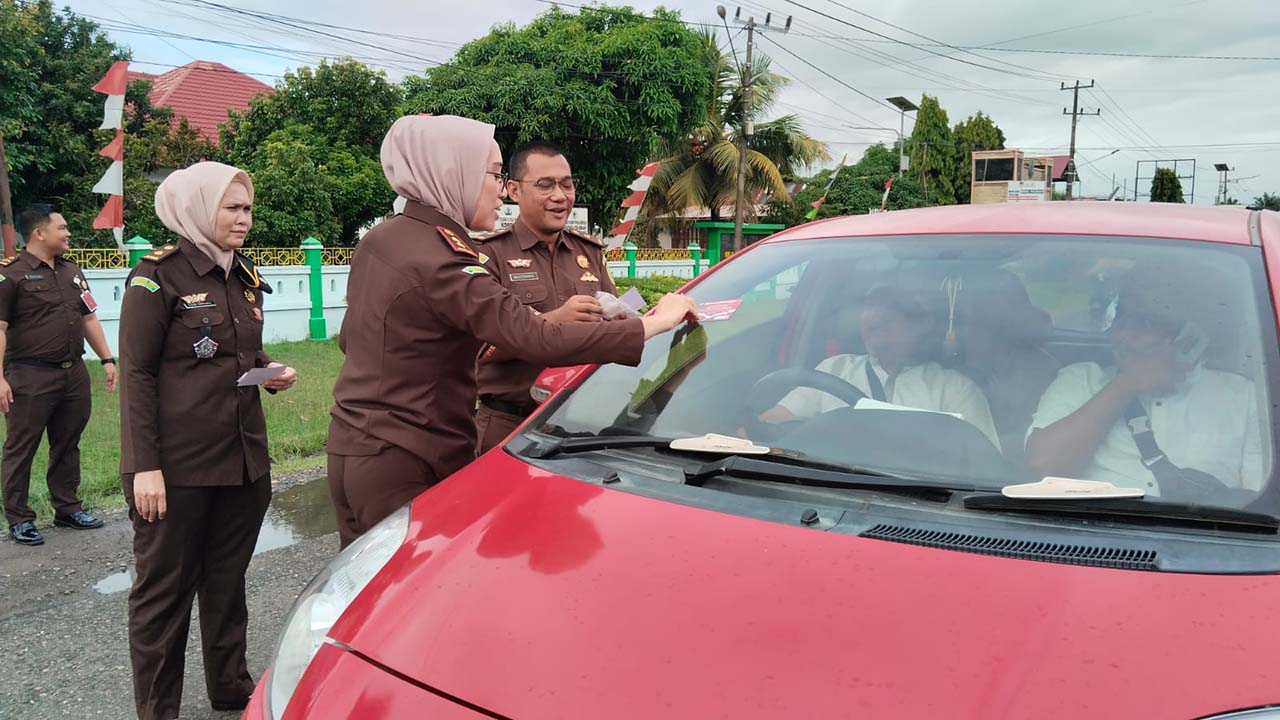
193	452
420	302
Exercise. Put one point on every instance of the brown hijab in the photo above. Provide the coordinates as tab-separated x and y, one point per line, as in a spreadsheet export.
439	161
187	203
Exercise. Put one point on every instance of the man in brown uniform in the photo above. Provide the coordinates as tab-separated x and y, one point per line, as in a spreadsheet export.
46	313
554	271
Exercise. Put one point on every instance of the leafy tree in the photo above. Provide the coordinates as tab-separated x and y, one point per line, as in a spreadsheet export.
792	210
1165	186
859	187
978	132
1266	201
700	169
49	63
292	198
933	153
334	116
606	84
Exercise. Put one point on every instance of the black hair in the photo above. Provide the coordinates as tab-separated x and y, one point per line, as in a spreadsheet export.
32	218
519	159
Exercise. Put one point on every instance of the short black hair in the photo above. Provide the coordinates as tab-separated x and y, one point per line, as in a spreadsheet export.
519	159
32	218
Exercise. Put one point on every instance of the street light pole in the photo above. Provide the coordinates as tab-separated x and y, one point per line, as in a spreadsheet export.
904	105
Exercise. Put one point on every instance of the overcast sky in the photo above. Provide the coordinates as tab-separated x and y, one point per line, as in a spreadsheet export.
1202	109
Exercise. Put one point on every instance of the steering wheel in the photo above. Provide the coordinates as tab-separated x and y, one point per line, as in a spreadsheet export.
771	388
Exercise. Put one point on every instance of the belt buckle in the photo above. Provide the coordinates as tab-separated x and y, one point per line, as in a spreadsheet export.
64	364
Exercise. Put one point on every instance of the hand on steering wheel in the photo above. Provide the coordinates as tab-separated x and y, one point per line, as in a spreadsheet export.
771	388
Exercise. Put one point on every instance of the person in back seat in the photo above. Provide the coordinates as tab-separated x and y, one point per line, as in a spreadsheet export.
895	326
1000	335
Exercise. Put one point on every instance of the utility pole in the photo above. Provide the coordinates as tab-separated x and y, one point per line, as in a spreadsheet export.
1075	115
744	140
1222	182
740	198
6	206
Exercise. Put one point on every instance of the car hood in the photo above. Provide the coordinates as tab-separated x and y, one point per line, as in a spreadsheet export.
536	596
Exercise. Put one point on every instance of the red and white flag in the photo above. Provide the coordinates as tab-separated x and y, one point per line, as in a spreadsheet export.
888	184
112	183
633	202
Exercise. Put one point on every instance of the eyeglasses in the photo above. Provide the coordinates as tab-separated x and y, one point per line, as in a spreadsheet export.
547	185
501	178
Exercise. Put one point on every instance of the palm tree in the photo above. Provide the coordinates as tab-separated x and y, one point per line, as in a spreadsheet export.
700	169
1266	201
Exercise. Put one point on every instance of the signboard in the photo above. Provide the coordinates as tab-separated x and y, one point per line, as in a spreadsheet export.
1027	190
507	215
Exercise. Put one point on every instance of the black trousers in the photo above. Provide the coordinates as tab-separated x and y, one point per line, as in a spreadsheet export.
55	399
201	548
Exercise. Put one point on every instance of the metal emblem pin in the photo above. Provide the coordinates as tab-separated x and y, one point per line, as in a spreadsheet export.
205	347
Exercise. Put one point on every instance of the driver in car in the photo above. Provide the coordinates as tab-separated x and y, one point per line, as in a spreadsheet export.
895	326
1158	419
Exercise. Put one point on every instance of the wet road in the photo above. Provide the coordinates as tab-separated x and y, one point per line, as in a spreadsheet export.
63	643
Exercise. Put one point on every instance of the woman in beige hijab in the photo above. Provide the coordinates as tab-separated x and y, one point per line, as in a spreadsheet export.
193	455
421	301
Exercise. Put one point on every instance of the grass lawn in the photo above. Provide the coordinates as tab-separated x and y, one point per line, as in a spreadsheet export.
297	423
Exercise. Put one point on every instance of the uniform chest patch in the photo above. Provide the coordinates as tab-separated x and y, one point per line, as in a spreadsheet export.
520	262
522	277
588	277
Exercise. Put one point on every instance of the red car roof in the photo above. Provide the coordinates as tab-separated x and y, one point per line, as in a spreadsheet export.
1166	220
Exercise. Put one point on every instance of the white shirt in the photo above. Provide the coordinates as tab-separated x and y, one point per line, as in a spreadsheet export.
928	386
1208	423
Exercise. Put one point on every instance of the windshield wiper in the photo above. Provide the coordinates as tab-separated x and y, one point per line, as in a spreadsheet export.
602	441
797	470
1130	509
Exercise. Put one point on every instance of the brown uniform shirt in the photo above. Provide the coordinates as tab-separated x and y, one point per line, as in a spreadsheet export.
419	305
43	307
542	278
179	412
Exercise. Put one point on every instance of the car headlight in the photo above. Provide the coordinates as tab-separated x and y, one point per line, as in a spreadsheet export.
324	600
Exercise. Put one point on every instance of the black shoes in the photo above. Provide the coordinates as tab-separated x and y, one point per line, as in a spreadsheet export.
25	533
80	520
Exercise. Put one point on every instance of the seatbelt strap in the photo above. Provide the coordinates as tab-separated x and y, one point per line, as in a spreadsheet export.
873	383
1167	474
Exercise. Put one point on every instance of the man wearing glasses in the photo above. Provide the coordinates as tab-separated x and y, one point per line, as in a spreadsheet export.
554	270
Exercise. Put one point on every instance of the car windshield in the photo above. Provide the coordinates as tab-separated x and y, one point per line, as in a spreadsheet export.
992	360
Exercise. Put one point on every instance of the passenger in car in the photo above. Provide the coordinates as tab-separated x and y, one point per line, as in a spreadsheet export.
895	326
1158	419
1001	334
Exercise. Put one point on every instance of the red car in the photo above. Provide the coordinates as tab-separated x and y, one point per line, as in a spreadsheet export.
997	461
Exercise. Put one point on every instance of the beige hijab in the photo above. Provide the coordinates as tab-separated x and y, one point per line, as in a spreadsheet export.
187	203
439	161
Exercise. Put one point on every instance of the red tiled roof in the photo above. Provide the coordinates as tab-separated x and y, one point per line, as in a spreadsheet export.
203	93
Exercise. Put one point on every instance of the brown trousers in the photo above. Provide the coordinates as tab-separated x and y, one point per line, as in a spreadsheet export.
44	398
367	488
201	548
492	427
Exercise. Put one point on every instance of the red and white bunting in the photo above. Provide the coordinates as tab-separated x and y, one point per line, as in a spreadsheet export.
633	202
113	85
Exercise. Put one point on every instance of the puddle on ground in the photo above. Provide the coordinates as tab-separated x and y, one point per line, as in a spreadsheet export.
114	583
300	513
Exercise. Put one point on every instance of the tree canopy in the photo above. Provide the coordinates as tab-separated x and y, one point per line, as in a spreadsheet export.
933	153
1166	187
605	84
322	131
978	132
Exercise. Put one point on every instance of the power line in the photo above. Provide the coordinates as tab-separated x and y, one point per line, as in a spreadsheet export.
917	46
872	98
1044	75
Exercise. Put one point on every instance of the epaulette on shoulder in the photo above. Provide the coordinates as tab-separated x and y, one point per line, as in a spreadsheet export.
161	254
585	237
494	235
8	261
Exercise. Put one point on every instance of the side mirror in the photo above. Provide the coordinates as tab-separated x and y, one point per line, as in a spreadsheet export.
553	380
